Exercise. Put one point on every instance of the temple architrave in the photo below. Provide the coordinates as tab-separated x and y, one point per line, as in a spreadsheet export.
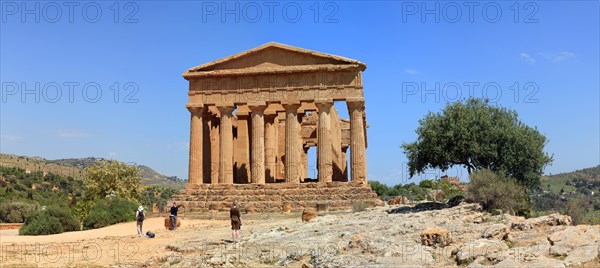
253	118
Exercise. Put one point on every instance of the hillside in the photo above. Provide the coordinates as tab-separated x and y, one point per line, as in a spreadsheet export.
74	167
575	193
570	180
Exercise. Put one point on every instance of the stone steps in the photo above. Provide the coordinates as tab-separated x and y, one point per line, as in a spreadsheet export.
277	197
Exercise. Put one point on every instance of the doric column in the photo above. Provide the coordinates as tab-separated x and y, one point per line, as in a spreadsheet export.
304	168
292	144
195	175
206	146
344	164
324	152
215	146
358	167
257	158
226	144
270	148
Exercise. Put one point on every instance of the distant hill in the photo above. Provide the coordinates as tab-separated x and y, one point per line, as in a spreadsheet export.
74	167
575	181
574	193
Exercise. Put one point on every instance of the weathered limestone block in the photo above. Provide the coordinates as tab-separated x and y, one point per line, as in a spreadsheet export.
497	231
436	237
308	214
549	220
487	248
565	241
583	255
168	222
286	207
322	207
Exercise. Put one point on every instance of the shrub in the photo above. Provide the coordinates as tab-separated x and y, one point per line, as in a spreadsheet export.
16	212
41	224
495	191
426	184
65	217
578	211
81	208
108	212
379	188
358	206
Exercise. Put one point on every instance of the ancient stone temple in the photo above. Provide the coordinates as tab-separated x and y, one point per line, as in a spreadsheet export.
255	115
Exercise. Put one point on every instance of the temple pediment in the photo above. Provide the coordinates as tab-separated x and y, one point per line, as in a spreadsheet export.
274	58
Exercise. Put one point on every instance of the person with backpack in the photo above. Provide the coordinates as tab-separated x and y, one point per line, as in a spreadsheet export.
140	217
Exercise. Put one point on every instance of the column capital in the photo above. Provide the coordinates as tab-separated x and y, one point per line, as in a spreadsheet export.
225	108
258	106
194	107
291	106
323	103
355	102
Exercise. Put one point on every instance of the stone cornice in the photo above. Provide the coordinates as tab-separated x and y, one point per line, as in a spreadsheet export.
271	70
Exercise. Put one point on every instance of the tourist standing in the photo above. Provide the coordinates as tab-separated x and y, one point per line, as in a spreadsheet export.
173	216
140	217
236	222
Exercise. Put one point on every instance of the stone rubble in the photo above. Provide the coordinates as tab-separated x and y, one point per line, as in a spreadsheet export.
461	236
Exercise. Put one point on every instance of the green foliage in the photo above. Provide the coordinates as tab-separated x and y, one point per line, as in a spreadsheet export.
110	211
67	221
416	192
426	184
495	191
19	187
379	188
112	177
577	210
156	195
44	221
16	212
81	208
41	224
477	135
572	193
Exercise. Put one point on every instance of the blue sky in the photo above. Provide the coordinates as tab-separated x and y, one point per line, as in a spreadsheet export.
123	97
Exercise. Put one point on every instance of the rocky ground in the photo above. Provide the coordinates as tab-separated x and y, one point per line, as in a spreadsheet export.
458	236
378	237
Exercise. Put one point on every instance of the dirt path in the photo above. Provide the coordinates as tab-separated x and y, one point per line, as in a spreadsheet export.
116	244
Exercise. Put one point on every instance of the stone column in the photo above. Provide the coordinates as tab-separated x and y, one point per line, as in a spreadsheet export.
226	145
304	168
270	148
292	144
358	167
257	159
206	146
195	175
324	152
344	164
215	146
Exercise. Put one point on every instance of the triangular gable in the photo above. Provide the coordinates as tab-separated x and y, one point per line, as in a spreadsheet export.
273	55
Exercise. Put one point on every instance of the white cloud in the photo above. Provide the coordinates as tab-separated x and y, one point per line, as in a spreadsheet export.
558	57
411	71
72	134
112	155
527	58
